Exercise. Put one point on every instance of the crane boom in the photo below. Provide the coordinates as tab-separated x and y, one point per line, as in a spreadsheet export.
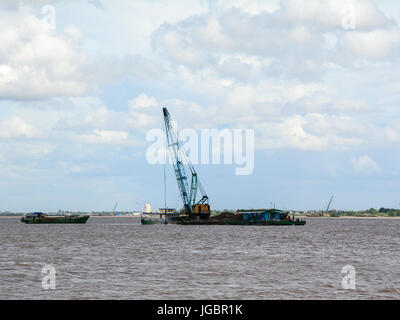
115	207
328	206
178	156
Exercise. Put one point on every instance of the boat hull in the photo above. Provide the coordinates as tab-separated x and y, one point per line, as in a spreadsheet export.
243	223
146	221
56	220
242	218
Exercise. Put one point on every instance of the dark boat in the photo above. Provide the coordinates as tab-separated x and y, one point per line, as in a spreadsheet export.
39	217
258	217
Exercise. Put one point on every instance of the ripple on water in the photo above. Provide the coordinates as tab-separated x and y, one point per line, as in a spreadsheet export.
117	258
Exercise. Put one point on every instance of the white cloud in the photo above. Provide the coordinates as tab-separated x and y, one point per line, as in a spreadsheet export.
376	44
76	169
9	4
393	134
333	14
144	112
261	66
16	127
315	132
322	102
80	120
36	62
301	37
90	113
143	101
73	32
250	6
294	71
24	151
364	164
106	137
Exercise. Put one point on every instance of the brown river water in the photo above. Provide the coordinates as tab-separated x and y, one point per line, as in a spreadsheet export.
117	258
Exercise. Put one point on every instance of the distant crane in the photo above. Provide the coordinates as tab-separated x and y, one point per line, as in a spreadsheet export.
178	155
115	207
326	212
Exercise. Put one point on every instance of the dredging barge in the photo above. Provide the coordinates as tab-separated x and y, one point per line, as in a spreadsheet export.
39	217
258	217
198	212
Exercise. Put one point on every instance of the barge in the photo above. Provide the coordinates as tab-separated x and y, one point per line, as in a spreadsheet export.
197	211
39	217
253	217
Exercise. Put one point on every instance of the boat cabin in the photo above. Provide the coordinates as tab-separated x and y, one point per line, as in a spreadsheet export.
263	215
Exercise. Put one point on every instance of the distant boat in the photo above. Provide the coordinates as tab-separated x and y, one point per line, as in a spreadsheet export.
39	217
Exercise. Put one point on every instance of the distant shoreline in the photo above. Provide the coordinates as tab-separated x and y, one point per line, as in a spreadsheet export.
302	217
8	217
351	217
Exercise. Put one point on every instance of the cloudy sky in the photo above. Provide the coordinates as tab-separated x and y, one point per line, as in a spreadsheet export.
83	81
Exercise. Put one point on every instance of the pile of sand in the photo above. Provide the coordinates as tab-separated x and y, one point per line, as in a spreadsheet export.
225	215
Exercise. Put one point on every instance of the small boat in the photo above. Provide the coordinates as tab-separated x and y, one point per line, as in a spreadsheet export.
39	217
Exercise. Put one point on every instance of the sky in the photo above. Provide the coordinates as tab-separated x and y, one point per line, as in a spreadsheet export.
82	82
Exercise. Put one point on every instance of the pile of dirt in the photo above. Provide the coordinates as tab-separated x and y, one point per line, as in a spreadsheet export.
225	215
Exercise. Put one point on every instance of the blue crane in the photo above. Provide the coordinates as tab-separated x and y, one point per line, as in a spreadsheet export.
178	155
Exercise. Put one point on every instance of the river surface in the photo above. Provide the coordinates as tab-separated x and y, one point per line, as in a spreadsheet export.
117	258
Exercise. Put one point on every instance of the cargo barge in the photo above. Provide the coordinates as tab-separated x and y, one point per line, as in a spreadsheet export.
39	217
253	217
197	211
